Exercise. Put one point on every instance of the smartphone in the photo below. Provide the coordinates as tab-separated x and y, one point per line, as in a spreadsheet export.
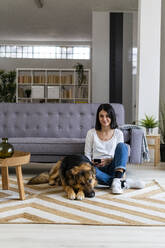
97	160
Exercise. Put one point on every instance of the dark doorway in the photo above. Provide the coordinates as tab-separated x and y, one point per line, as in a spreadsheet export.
116	57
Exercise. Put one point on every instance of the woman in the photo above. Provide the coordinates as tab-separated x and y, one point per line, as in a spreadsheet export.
105	147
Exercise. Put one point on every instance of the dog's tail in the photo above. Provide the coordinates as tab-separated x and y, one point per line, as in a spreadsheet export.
41	178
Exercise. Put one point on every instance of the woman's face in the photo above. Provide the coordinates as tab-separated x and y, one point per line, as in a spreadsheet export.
104	119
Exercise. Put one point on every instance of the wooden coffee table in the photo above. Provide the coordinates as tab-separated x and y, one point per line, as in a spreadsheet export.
18	159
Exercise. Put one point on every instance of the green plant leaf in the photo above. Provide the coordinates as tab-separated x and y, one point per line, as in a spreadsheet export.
80	72
7	86
149	122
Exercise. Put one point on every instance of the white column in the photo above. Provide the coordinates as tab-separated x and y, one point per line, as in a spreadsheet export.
127	76
148	79
100	57
162	64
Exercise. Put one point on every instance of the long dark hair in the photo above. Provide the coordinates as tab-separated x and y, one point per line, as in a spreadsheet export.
111	113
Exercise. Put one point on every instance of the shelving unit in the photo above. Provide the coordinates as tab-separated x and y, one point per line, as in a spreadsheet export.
52	85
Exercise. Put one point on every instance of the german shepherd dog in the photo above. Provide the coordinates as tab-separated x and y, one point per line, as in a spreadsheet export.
75	173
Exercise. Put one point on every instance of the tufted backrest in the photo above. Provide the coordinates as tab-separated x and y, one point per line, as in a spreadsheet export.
50	119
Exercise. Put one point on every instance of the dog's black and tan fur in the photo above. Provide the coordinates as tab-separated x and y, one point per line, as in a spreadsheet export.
75	173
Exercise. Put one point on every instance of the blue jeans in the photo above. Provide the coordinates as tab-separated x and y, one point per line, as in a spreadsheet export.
105	174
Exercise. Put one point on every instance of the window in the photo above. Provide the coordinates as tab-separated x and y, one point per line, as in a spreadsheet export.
45	52
134	60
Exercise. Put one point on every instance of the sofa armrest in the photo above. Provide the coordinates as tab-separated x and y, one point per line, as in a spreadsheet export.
136	141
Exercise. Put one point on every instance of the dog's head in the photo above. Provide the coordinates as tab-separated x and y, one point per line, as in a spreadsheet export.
82	177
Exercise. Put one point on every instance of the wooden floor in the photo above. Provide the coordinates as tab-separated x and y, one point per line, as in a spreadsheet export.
54	236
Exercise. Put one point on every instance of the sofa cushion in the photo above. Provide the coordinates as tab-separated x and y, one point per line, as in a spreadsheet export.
57	146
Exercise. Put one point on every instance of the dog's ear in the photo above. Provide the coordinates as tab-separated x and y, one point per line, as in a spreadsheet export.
93	172
78	168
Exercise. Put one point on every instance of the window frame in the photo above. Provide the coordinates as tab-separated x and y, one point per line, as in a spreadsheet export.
45	52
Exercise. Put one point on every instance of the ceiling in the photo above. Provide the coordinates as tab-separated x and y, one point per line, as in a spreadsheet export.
58	20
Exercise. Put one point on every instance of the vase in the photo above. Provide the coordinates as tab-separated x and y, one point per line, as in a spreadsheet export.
28	93
6	149
149	131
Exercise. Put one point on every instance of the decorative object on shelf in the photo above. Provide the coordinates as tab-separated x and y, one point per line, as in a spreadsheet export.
7	86
28	92
149	123
6	149
162	131
38	92
53	92
80	71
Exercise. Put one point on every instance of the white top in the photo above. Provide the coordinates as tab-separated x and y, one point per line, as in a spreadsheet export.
97	148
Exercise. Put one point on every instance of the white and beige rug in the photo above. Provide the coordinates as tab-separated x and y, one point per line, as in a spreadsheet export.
45	204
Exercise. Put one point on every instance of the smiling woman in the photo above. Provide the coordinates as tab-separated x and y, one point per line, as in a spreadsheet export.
106	142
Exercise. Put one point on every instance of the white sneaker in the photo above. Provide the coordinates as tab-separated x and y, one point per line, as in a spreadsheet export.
116	186
134	184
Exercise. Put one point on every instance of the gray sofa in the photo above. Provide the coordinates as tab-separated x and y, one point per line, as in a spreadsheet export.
49	131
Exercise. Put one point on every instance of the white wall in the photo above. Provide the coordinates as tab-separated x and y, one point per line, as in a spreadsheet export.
149	58
100	57
162	64
12	64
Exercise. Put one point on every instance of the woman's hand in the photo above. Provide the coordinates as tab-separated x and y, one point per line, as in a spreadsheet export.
104	162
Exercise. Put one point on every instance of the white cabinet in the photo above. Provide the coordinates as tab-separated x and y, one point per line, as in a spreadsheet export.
52	85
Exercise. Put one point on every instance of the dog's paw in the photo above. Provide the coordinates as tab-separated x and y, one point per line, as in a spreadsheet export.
71	196
52	182
80	196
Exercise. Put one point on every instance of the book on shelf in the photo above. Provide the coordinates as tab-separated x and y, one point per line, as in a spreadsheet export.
81	92
53	79
67	92
81	101
39	79
25	79
67	79
20	92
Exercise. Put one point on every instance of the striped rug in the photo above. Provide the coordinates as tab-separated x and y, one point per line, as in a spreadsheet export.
45	204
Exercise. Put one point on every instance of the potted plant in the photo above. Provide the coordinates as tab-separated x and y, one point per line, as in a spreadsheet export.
80	72
28	92
162	132
149	123
7	86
